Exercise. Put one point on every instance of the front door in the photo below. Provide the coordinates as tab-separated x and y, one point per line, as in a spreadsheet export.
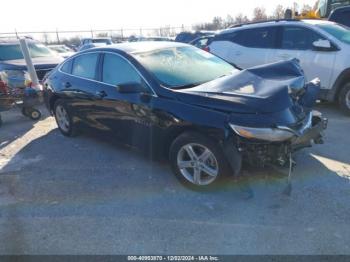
128	115
297	42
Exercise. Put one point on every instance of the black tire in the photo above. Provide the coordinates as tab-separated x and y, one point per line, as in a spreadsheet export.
222	165
34	114
71	130
344	97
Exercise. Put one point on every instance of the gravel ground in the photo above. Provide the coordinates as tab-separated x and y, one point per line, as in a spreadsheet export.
89	196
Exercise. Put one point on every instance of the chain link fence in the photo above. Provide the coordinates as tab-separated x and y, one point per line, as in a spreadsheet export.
57	36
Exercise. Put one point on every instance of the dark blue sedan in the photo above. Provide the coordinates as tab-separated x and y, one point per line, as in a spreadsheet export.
186	104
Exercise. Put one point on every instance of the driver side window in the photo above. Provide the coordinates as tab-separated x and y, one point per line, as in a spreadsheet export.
117	70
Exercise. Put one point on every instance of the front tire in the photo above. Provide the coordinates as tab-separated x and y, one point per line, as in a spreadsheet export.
344	99
64	119
198	162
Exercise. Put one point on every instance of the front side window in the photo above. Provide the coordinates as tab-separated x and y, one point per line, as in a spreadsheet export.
116	71
85	66
299	38
264	37
184	67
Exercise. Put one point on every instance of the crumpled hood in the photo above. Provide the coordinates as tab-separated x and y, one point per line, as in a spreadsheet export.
262	89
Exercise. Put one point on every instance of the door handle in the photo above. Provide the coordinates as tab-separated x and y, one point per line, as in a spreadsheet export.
67	85
101	94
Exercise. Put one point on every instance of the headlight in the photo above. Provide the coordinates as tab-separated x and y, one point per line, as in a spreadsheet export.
266	134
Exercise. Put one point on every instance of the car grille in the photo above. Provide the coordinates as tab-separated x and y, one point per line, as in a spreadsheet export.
42	72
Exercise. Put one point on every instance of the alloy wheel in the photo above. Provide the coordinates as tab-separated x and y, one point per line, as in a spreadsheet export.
62	118
197	164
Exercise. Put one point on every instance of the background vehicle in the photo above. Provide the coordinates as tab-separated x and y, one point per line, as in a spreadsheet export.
341	15
15	81
88	43
148	38
322	9
186	37
62	50
12	61
202	42
322	47
185	103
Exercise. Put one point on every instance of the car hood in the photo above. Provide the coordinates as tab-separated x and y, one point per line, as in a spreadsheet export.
263	89
39	63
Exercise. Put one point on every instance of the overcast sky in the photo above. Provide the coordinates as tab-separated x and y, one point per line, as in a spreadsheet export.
37	15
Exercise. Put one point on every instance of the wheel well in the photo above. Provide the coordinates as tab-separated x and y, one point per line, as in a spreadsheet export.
343	79
52	102
170	138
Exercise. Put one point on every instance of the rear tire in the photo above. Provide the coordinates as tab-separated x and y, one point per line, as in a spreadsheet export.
64	119
198	162
344	99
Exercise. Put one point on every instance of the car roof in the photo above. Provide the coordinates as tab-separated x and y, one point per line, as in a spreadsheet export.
275	23
139	47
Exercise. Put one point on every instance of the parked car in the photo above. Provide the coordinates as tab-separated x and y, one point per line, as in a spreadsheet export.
148	38
62	50
202	42
341	15
88	43
186	37
322	47
188	104
12	61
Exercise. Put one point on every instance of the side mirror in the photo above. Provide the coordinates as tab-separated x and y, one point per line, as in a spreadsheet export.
322	45
131	88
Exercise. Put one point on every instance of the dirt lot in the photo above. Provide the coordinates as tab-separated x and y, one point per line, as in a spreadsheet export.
88	196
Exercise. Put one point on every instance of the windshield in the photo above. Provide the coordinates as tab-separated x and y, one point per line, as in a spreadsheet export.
60	49
14	52
340	32
181	67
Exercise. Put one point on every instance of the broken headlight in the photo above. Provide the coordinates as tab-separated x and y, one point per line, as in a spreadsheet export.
266	134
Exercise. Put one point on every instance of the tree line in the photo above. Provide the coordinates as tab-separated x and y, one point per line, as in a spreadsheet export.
259	14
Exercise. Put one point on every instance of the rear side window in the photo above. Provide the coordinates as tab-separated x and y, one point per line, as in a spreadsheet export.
117	70
299	38
85	66
264	37
66	67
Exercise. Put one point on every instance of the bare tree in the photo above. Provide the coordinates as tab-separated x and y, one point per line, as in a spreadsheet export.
46	38
259	14
241	19
306	9
278	13
229	21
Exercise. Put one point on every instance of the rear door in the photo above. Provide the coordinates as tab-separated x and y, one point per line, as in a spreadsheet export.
297	42
246	47
79	86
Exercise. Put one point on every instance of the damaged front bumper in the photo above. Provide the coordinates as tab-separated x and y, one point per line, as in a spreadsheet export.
278	148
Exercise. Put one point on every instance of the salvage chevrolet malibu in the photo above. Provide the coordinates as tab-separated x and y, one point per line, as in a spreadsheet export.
202	113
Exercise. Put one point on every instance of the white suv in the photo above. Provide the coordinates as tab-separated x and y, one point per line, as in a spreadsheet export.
322	47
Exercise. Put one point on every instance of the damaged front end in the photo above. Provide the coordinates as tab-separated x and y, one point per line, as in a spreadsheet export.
271	137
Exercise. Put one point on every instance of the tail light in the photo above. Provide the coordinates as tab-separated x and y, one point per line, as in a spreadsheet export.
207	48
3	88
